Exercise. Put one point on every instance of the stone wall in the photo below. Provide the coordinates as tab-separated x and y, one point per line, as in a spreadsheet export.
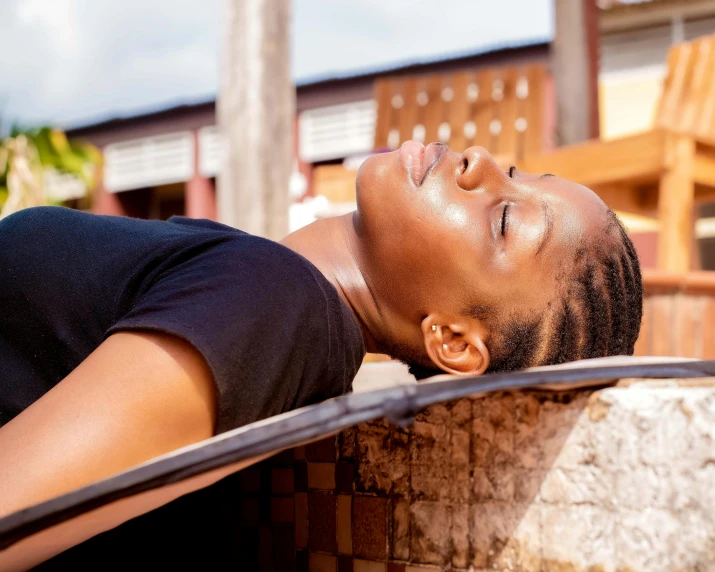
619	479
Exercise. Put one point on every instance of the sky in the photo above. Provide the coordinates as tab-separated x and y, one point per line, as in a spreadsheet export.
72	62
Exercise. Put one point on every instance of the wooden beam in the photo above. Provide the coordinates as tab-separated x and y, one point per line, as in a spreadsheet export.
575	63
704	165
256	111
675	206
639	158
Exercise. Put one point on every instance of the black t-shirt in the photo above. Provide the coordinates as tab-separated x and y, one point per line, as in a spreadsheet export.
273	330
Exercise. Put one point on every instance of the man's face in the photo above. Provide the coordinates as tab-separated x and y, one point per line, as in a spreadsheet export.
445	229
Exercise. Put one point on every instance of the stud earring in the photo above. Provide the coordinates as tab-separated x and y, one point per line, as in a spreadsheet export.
434	328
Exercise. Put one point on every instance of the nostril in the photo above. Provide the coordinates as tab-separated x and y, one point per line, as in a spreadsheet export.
465	164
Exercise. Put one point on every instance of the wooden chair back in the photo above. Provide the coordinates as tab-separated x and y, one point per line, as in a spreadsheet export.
687	105
500	109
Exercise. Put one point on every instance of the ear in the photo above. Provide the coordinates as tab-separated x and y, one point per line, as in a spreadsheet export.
456	345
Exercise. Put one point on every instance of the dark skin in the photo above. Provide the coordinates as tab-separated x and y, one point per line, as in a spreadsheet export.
424	245
431	236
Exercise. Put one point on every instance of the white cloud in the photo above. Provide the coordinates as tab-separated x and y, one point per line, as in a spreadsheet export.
69	61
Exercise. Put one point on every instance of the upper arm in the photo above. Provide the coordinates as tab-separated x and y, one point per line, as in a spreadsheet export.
137	396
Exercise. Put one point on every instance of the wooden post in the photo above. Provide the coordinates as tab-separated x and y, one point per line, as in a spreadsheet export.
256	108
675	206
575	65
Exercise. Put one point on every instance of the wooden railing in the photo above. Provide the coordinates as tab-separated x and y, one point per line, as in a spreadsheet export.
678	315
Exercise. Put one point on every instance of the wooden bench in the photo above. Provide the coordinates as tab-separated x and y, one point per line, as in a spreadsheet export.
663	172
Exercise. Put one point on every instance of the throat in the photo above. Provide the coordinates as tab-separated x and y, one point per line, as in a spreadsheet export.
332	246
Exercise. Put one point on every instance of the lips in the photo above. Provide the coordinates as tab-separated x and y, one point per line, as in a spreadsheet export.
418	160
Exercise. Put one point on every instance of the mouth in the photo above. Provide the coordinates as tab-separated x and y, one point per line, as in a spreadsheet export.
419	160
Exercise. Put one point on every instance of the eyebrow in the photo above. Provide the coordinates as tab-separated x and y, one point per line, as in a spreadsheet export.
549	219
546	175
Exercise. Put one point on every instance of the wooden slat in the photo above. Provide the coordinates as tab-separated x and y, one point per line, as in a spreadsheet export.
535	110
680	67
483	110
408	113
703	70
383	97
704	165
675	206
458	110
434	111
507	138
706	122
639	158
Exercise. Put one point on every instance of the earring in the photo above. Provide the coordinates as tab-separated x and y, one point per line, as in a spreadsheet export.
434	328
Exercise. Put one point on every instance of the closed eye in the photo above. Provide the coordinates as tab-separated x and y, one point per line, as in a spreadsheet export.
504	214
511	171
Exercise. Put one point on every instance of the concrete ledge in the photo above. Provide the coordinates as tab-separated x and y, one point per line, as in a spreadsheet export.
614	480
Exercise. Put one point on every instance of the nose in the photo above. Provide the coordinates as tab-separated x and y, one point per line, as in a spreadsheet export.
477	169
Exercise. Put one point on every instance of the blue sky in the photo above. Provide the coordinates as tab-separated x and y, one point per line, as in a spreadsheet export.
70	62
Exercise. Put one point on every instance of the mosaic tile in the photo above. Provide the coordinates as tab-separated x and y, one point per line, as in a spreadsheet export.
282	481
321	476
318	562
369	527
400	540
321	522
368	566
323	450
345	535
282	509
345	564
429	532
344	477
301	519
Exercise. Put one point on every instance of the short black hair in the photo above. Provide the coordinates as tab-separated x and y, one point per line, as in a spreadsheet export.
598	314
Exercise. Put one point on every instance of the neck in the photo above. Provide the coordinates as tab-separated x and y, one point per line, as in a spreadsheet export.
331	244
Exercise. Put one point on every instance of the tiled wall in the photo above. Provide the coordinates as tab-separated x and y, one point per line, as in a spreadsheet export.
443	494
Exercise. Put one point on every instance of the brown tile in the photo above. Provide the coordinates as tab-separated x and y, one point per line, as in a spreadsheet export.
301	519
430	481
430	443
344	475
459	533
322	562
345	564
284	557
345	532
249	510
429	531
395	567
370	527
323	450
251	480
368	566
282	481
301	561
265	549
383	466
491	525
283	458
300	470
321	522
299	453
347	444
321	476
400	541
282	509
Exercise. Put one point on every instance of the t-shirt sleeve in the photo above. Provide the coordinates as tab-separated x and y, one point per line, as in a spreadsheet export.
262	322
